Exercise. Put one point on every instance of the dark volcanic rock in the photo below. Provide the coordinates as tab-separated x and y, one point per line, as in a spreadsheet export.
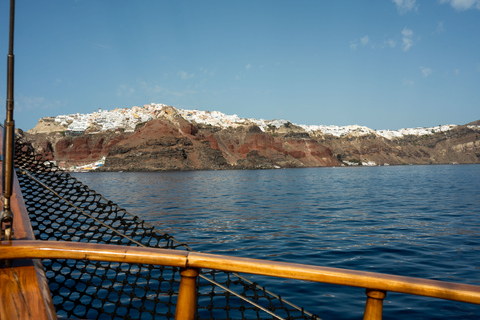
160	145
86	148
241	146
172	143
459	145
46	150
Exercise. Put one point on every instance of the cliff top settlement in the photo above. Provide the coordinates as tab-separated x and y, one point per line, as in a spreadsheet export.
128	119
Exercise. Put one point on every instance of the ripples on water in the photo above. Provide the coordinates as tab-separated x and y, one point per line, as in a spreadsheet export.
419	221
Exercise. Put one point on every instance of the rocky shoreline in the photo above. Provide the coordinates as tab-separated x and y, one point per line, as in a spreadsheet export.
171	143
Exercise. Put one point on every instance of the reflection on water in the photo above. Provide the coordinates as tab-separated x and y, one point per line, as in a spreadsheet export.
420	221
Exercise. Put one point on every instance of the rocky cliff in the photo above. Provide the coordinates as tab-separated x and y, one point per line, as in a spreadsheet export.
459	145
173	143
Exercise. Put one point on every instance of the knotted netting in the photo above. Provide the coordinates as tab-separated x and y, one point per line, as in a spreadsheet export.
61	208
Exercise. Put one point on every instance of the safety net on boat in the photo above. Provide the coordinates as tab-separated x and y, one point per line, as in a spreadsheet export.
61	208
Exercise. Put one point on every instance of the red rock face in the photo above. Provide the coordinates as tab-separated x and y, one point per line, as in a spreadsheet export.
96	151
80	149
111	142
181	145
297	154
311	153
46	150
189	129
161	145
152	130
177	144
242	147
62	148
213	142
85	149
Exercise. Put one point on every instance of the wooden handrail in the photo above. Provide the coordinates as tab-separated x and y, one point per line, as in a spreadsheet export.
24	292
376	283
352	278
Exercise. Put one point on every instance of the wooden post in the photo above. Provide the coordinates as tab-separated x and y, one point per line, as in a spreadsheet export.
187	300
374	306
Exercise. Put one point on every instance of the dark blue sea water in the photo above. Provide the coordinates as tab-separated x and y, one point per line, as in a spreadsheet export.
418	221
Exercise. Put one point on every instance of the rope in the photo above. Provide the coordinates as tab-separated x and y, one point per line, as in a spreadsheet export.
25	172
56	203
173	239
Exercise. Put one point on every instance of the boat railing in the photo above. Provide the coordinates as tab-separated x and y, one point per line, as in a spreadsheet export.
376	284
28	286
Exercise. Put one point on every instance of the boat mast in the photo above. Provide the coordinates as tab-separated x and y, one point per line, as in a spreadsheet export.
6	217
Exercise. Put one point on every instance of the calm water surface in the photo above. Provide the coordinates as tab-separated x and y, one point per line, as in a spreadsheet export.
419	221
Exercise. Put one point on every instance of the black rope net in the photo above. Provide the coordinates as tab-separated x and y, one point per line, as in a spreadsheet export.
61	208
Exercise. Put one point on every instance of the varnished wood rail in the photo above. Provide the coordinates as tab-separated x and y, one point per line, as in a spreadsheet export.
377	284
24	292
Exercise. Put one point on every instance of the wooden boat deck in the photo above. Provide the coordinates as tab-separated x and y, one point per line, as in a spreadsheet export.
24	292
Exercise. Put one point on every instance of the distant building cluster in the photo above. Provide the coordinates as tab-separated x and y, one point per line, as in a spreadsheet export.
414	131
339	131
356	130
104	120
127	120
214	118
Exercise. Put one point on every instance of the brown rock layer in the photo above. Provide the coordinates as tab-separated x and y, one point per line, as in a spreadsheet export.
173	143
460	145
160	145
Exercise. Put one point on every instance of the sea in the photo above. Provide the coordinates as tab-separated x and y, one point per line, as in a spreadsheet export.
416	221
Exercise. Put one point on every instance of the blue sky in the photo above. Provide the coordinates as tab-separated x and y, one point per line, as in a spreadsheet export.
381	64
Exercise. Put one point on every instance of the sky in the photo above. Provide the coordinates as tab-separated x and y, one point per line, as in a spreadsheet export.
381	64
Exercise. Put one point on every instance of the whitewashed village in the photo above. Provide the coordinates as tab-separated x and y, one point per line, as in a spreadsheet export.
127	119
